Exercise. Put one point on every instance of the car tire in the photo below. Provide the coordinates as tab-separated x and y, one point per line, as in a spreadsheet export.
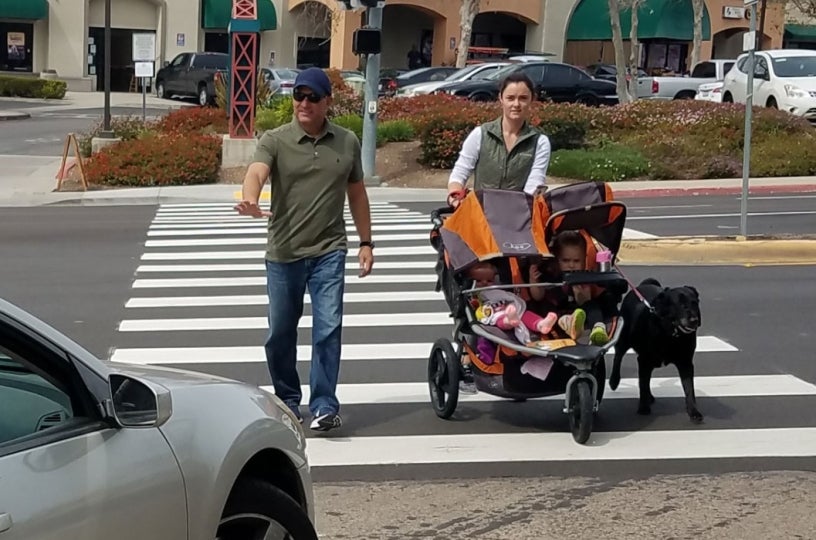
255	505
203	96
161	92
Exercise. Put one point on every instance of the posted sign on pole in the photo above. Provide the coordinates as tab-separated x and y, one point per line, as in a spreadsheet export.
144	58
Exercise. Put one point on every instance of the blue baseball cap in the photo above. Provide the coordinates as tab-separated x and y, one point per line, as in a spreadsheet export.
316	80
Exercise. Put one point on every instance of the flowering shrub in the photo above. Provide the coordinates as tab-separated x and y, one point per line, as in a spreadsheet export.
677	139
158	159
194	120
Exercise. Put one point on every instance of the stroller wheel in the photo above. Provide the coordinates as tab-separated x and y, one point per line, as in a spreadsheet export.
444	370
581	406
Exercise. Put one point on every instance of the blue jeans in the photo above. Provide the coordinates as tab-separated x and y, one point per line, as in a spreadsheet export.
324	276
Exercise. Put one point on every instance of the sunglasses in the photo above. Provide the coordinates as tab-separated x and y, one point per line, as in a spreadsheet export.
300	96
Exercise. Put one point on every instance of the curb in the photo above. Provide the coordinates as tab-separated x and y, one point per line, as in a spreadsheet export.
717	250
13	115
704	191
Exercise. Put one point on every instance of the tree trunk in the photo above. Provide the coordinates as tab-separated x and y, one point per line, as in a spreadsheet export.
634	50
697	7
620	56
467	13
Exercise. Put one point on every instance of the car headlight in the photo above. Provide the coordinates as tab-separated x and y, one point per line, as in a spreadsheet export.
795	92
294	423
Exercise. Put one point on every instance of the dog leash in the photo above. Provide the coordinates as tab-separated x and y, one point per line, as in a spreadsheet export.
634	289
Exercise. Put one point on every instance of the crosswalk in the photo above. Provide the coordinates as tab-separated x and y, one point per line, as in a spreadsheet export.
198	302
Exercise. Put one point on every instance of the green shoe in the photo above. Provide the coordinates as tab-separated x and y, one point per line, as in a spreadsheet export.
598	335
573	324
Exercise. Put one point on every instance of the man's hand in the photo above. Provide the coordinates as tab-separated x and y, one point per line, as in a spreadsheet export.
249	208
366	257
582	294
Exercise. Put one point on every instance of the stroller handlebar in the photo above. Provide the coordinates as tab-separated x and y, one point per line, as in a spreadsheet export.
436	215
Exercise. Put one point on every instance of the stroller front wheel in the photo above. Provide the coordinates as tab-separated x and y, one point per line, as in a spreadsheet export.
444	370
581	413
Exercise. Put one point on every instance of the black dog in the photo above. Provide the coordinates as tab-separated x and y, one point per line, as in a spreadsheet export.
666	334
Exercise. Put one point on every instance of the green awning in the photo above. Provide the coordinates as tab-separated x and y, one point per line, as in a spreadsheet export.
216	14
24	9
657	19
800	32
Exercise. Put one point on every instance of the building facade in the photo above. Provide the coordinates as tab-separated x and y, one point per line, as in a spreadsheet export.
67	35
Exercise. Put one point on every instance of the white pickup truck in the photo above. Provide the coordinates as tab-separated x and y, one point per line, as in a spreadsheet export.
708	71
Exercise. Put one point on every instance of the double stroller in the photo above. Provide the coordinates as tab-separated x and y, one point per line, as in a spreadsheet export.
513	230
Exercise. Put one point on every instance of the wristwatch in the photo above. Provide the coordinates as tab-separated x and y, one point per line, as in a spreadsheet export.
369	244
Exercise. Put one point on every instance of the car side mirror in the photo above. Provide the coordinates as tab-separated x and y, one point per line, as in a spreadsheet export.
137	403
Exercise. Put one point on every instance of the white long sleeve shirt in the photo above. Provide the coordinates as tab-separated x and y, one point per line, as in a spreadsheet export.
469	155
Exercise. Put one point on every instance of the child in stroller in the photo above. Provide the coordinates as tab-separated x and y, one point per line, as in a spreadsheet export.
588	302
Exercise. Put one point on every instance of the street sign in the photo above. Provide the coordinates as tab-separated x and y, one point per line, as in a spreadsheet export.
144	47
144	69
749	41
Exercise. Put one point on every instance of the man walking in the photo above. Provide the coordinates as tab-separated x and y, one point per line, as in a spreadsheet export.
312	165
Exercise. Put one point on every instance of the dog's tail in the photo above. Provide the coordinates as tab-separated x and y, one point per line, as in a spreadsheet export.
651	281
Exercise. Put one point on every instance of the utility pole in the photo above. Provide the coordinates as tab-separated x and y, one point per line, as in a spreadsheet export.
749	45
372	75
106	129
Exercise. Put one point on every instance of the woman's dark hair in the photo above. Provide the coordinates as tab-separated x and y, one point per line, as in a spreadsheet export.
517	77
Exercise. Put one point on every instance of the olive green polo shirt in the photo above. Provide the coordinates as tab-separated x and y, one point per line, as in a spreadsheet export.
309	177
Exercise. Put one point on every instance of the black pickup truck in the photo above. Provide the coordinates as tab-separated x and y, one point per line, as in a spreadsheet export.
191	74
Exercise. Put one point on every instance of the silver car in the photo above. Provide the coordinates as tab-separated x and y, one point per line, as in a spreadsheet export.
97	451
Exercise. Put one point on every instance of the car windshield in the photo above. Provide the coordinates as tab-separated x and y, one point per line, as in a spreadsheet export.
506	70
462	73
286	73
795	66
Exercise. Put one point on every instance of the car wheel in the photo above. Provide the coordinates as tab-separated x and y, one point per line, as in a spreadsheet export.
727	98
772	103
203	97
257	510
160	91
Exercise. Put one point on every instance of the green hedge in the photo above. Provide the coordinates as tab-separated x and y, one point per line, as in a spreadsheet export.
30	87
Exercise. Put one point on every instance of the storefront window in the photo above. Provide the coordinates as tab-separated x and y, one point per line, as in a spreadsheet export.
16	53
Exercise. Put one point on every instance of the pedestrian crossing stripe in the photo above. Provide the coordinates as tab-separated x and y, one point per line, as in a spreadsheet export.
662	387
259	267
349	352
559	447
261	241
263	300
261	281
259	255
262	230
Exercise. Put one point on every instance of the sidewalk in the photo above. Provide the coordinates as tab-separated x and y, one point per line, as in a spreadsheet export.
90	100
28	181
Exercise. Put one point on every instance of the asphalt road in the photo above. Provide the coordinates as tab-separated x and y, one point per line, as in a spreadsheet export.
783	214
44	133
190	294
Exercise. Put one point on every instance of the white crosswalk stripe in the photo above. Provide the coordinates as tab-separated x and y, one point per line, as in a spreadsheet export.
198	302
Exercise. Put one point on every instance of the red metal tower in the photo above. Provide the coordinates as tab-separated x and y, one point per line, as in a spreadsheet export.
244	32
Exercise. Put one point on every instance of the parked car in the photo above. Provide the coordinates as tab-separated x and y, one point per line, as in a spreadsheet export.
468	73
609	72
784	79
192	74
554	81
708	71
280	80
710	92
92	450
389	86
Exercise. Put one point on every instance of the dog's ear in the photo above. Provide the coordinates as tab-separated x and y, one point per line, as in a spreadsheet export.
693	291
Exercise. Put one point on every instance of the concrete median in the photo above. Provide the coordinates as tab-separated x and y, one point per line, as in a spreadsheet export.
719	250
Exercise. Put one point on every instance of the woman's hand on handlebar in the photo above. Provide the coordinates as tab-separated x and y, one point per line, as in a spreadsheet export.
455	197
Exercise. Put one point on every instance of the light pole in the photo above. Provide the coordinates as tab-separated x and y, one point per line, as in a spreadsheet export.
749	44
372	75
106	129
